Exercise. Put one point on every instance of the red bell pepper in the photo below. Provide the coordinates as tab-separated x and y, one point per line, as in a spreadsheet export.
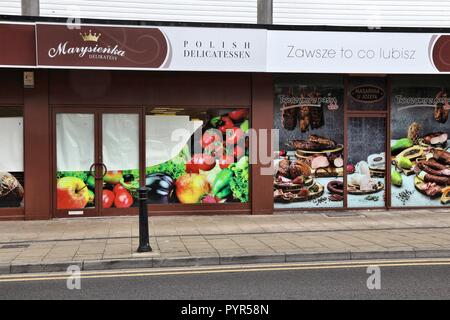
238	114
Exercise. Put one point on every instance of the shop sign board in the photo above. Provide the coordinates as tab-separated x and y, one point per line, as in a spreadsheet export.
222	49
367	94
151	48
357	52
18	46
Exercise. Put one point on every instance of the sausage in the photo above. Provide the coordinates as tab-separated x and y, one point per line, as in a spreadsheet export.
434	168
442	156
336	187
427	177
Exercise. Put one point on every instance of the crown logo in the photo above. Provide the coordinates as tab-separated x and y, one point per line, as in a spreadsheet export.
90	36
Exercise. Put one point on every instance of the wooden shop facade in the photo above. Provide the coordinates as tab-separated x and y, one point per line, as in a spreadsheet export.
219	119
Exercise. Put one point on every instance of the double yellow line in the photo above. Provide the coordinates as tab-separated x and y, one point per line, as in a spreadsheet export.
224	269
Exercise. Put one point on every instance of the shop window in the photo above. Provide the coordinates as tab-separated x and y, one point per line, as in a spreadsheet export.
420	171
11	157
367	94
309	114
197	155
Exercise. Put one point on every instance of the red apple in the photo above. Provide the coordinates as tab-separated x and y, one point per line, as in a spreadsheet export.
190	188
71	193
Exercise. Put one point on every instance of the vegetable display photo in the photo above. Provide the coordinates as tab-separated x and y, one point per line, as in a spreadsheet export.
76	189
211	164
420	145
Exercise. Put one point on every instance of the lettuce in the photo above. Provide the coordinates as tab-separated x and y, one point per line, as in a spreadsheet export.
83	175
239	182
174	169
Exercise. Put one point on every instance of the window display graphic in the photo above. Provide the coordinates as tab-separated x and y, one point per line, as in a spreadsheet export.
366	168
75	187
120	150
11	160
197	156
420	170
309	165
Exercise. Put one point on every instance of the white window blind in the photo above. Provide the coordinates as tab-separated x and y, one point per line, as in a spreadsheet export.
231	11
372	13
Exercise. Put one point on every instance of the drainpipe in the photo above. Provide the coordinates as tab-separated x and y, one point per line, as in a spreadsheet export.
264	12
30	8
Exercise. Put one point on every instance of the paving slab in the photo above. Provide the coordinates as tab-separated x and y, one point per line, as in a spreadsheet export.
110	243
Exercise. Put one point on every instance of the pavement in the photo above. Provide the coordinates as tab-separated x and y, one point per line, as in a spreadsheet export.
180	241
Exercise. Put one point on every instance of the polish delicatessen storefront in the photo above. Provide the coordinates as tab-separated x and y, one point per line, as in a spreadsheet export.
88	115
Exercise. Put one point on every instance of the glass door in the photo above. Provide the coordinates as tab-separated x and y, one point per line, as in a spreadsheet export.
366	169
97	161
120	150
76	164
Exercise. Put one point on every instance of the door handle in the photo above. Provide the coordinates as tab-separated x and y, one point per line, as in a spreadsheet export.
105	170
93	172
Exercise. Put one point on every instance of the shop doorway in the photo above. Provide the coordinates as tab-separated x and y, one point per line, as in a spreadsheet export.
97	157
366	147
366	154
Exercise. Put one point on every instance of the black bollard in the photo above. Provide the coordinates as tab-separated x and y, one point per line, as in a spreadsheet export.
144	241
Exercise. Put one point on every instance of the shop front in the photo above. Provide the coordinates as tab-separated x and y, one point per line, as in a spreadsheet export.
169	137
356	132
193	116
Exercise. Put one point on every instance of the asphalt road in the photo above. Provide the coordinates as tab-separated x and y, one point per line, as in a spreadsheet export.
407	280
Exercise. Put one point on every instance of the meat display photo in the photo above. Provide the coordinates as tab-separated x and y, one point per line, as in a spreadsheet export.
309	163
11	160
420	170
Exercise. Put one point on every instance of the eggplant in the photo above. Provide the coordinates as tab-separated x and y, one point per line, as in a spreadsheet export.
160	187
128	178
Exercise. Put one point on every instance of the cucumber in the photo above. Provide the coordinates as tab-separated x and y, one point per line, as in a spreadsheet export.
401	145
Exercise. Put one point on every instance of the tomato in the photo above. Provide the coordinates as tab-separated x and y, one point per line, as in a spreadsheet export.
215	149
234	135
123	200
225	161
210	136
204	162
238	115
238	152
108	198
119	188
